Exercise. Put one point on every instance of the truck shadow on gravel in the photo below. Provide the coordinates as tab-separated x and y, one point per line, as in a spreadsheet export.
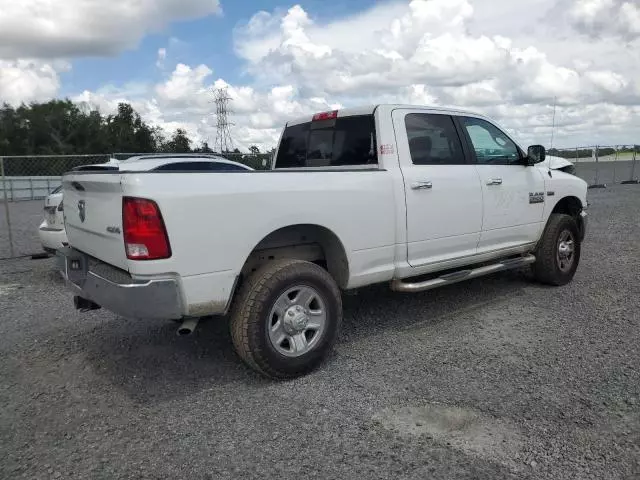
149	363
374	308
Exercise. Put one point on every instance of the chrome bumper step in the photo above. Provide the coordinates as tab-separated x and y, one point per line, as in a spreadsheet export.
460	275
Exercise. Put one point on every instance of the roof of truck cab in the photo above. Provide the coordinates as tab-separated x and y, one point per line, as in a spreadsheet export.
369	109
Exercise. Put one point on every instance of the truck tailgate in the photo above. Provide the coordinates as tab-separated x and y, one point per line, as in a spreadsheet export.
93	215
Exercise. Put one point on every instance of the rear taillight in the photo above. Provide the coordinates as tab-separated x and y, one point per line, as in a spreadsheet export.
145	236
325	116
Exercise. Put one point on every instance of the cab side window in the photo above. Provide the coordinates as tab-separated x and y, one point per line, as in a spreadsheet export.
490	144
433	140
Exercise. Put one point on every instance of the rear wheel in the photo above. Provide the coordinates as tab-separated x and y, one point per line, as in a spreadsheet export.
558	252
286	318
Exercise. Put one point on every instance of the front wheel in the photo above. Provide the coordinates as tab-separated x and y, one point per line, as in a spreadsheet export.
558	252
286	318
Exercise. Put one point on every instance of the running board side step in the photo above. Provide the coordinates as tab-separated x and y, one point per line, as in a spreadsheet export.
455	277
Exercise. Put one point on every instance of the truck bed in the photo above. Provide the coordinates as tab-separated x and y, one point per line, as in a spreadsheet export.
215	220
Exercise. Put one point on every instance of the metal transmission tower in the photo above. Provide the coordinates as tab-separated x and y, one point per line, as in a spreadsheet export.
223	143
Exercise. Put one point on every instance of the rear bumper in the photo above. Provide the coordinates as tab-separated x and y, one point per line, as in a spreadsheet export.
116	291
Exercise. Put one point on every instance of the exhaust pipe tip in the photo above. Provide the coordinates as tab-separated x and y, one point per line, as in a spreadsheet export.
187	327
184	332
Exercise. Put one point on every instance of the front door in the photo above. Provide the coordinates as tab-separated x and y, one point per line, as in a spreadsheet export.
513	194
442	189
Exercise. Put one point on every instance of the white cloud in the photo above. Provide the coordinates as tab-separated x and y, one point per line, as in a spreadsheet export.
162	56
471	53
186	87
607	17
29	80
427	43
510	60
185	100
53	29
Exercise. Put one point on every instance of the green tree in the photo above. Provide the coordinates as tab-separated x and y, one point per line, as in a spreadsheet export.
254	150
127	132
179	143
14	132
64	127
204	148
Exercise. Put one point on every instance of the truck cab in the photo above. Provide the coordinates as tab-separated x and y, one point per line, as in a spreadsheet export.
469	189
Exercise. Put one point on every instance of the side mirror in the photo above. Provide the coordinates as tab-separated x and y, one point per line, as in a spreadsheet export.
537	153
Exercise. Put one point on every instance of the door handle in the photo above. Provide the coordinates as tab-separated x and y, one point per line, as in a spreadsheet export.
421	185
494	181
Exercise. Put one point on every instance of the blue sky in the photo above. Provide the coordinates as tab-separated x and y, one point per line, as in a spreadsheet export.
279	59
206	41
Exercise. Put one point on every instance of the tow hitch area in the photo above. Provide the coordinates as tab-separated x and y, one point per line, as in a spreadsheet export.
84	305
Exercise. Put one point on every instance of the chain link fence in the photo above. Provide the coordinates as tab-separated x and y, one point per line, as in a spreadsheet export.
26	180
601	165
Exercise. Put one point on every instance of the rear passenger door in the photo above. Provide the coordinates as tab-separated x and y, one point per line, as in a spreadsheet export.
442	188
513	193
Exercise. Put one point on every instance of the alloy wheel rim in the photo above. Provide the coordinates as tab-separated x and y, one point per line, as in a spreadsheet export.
565	252
297	321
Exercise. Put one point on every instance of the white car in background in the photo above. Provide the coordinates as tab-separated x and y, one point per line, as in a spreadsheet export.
52	232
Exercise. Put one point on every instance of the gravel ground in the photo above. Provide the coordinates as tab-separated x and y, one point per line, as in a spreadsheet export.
495	378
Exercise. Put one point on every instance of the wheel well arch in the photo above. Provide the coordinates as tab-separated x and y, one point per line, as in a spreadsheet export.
310	242
571	205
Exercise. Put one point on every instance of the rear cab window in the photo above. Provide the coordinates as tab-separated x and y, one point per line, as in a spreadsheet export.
329	142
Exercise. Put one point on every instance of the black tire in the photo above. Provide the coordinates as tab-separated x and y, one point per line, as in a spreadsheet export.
548	268
250	317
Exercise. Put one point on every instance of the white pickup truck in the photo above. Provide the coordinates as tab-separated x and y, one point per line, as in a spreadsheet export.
417	197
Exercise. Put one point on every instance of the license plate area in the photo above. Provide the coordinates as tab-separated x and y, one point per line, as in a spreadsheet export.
75	265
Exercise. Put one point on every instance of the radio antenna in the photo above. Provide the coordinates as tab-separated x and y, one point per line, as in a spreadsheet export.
553	125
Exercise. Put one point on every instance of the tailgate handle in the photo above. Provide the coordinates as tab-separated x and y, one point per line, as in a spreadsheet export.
77	186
